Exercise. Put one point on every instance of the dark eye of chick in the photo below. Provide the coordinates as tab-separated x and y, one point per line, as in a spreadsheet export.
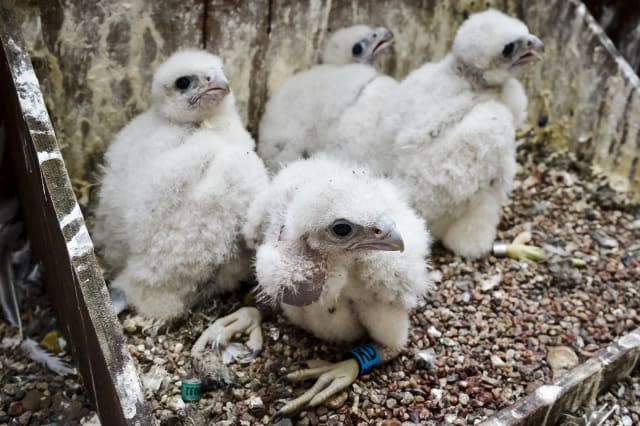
508	49
341	228
357	49
183	83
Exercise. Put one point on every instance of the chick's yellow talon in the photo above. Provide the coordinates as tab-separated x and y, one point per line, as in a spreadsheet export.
519	249
522	238
526	252
332	378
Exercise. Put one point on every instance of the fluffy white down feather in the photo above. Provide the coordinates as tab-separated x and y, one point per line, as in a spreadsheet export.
174	196
366	292
451	128
338	50
333	107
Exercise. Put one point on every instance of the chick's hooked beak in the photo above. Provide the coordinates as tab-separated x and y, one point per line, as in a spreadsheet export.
533	48
215	85
386	237
376	41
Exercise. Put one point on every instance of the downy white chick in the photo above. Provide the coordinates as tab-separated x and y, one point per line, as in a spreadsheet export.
451	129
303	116
178	181
343	255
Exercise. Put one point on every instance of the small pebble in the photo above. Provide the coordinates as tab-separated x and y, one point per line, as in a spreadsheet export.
337	400
175	403
463	398
496	361
31	401
129	326
407	398
561	358
433	332
9	389
255	404
25	418
450	418
15	409
604	240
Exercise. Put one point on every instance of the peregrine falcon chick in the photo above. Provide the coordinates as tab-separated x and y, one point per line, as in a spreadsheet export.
451	130
344	256
177	184
304	116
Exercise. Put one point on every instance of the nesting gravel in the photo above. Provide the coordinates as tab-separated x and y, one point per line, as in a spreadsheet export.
494	330
30	393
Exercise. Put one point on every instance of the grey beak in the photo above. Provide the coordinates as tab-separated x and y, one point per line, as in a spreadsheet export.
530	51
392	241
535	43
387	237
382	33
217	79
377	40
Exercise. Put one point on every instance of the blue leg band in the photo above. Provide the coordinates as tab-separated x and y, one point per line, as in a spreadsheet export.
367	357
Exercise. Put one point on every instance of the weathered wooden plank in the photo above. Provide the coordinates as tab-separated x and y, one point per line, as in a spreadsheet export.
296	31
576	388
621	21
95	60
589	92
60	240
422	29
238	31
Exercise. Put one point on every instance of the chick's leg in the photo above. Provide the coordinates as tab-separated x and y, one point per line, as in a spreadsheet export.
130	288
331	378
245	321
519	249
472	234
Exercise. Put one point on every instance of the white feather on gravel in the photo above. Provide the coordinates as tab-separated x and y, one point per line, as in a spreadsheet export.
41	356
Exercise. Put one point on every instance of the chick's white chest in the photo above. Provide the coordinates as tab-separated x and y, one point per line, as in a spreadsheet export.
334	316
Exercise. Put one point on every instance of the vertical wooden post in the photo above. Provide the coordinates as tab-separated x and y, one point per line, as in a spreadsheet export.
60	240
